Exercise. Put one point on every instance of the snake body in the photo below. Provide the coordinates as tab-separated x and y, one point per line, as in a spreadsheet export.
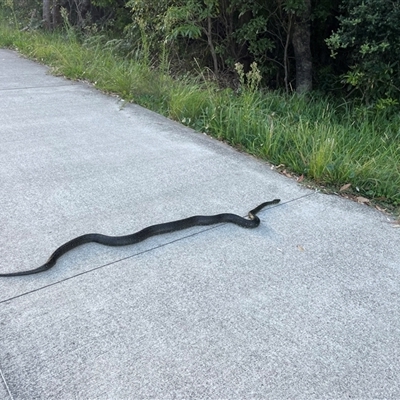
198	220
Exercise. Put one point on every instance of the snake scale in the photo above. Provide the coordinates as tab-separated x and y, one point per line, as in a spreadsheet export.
198	220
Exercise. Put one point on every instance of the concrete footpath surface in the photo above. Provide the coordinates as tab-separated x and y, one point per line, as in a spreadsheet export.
306	306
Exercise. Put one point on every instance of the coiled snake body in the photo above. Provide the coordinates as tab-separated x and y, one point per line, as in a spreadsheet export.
252	222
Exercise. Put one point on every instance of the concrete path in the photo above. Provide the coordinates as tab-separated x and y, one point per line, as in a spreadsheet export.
304	307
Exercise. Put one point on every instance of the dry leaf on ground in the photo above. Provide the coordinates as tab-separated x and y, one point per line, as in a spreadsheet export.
345	187
362	200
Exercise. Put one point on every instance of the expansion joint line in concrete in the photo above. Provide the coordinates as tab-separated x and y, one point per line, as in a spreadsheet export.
34	87
205	229
5	384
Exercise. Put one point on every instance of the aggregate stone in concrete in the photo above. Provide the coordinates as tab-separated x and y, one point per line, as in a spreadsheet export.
305	306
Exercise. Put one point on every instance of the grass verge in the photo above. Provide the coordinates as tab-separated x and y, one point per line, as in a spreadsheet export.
325	141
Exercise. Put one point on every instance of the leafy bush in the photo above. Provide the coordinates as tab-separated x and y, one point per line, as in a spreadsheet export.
370	32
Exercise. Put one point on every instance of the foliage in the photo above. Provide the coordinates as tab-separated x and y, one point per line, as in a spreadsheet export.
257	32
23	13
363	35
176	25
146	29
370	33
221	33
186	19
192	19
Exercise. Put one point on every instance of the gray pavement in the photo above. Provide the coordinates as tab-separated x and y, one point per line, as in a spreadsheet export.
304	307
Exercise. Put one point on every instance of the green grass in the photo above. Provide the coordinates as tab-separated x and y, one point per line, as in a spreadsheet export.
312	137
330	143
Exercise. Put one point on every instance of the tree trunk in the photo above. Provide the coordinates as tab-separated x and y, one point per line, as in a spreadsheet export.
285	52
47	14
56	13
211	44
302	49
51	14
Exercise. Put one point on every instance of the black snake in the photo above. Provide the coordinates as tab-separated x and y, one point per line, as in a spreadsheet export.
145	233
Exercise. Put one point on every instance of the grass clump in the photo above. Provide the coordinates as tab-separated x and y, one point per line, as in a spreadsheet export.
328	141
311	137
